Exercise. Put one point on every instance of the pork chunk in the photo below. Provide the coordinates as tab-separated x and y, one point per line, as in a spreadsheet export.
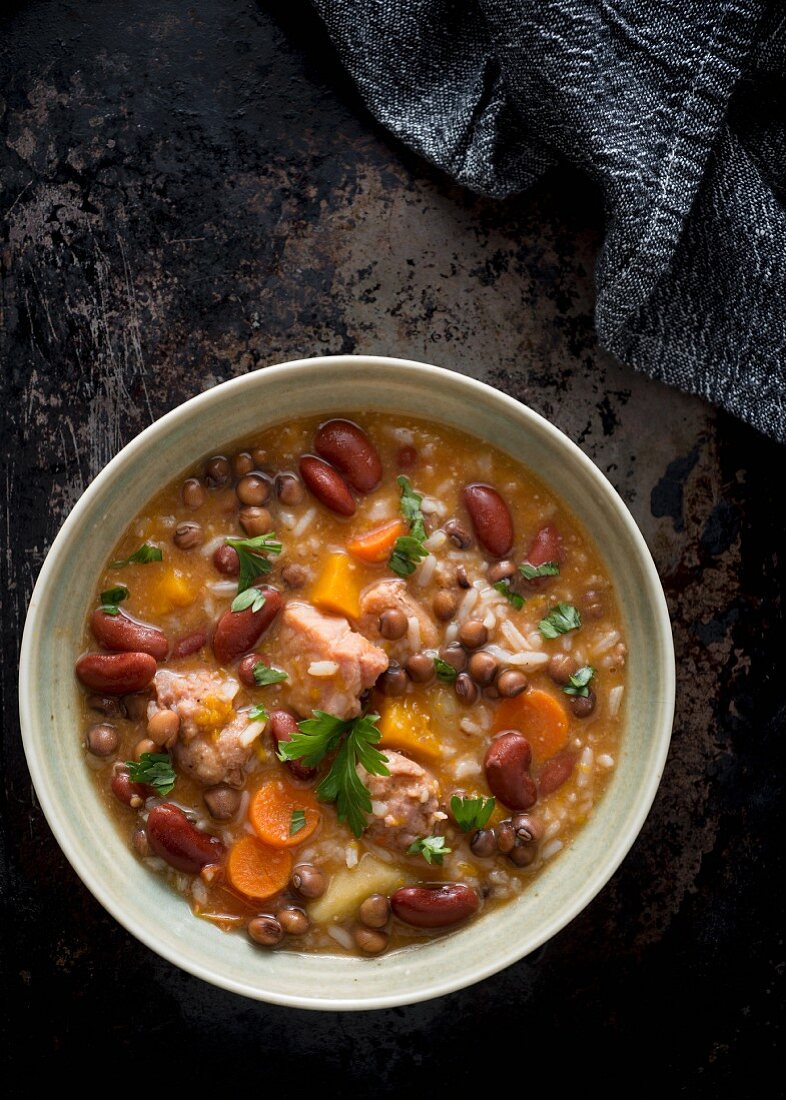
380	596
404	804
215	740
329	665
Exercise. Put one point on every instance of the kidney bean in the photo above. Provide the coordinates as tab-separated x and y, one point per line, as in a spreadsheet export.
181	844
555	771
237	631
434	905
130	794
226	561
121	632
191	643
348	448
116	673
245	670
490	517
283	724
327	485
507	762
546	546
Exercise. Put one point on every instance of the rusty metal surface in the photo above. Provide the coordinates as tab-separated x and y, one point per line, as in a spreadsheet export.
192	191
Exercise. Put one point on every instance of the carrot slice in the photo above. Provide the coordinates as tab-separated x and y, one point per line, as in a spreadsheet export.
278	808
376	545
256	870
540	717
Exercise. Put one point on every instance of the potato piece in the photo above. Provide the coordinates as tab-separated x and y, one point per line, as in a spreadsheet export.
348	888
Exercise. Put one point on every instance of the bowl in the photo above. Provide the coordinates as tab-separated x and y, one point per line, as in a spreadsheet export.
49	696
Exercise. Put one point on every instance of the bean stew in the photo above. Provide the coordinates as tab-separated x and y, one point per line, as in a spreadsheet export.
352	683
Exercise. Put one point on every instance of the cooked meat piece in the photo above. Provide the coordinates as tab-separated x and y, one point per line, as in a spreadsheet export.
404	804
215	741
384	595
329	665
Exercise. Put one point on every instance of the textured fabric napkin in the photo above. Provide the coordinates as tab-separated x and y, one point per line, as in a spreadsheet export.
676	109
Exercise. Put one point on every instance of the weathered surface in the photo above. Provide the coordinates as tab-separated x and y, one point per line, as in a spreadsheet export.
192	191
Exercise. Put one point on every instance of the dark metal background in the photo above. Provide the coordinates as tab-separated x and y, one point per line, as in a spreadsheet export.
192	190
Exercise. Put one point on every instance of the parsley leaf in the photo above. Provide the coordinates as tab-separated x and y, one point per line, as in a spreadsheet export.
253	562
264	674
155	769
578	684
532	572
472	813
560	620
444	670
252	598
408	550
112	597
355	740
297	821
503	586
432	848
143	556
257	713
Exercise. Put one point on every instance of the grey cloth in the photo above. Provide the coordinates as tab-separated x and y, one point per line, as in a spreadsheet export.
674	108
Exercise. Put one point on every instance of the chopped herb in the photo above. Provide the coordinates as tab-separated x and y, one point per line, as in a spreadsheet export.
155	769
503	586
532	572
253	562
252	597
432	848
578	684
143	556
297	821
355	739
444	670
264	674
472	813
257	713
560	620
112	598
408	550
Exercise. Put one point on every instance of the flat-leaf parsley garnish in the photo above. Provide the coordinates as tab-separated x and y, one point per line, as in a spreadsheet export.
257	713
408	550
155	769
512	597
263	674
297	821
354	742
444	670
251	597
578	684
560	620
545	569
472	813
112	598
143	556
253	562
432	848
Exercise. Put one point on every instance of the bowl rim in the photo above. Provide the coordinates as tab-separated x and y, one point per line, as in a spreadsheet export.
486	967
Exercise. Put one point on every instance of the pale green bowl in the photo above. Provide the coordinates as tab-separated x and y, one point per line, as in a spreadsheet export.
49	695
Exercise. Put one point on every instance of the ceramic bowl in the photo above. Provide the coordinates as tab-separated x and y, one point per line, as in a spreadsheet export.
141	901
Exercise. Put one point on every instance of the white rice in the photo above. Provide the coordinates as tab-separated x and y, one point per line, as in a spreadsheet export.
528	660
287	519
381	509
466	765
615	700
551	849
199	891
403	435
429	506
413	633
426	570
605	761
222	588
469	726
467	604
250	733
351	855
604	644
340	935
451	633
436	540
490	620
552	830
304	523
514	636
323	669
209	548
